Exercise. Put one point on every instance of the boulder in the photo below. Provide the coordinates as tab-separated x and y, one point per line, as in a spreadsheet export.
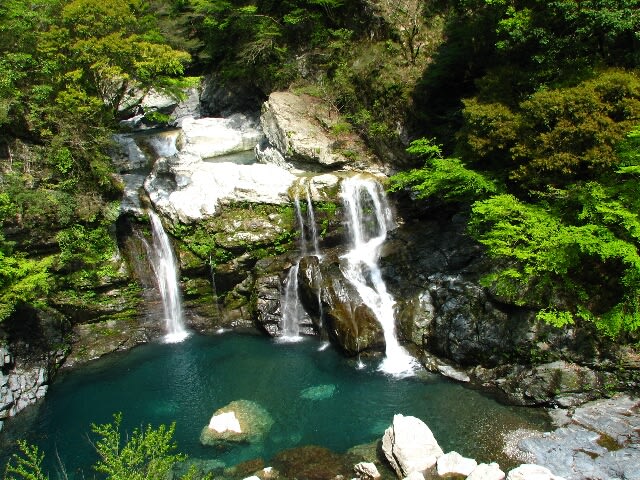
298	136
453	464
409	446
211	137
486	471
366	471
531	472
241	421
350	323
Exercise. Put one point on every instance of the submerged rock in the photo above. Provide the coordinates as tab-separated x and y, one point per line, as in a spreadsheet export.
318	392
409	446
310	463
241	421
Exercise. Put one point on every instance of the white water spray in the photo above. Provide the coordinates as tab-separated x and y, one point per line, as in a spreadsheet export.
163	263
369	219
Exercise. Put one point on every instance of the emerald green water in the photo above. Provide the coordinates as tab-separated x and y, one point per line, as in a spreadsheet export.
315	397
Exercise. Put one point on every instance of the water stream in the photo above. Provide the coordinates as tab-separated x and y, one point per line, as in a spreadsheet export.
164	267
369	219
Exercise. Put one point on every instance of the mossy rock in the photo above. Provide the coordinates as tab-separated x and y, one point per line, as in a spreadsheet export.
241	421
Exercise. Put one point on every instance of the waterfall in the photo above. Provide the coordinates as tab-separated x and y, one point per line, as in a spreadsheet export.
164	143
291	308
163	263
313	229
369	219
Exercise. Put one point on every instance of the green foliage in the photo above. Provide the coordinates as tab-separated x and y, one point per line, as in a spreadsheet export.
27	465
556	136
145	454
581	269
447	178
148	453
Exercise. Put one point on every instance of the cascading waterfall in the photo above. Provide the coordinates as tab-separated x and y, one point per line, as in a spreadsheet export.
163	263
369	219
291	308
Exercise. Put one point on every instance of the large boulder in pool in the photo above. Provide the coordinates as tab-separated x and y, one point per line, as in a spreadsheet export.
241	421
409	446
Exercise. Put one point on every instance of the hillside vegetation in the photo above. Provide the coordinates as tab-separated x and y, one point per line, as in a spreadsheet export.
528	110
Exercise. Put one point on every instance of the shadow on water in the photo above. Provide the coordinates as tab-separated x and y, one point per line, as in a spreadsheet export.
314	396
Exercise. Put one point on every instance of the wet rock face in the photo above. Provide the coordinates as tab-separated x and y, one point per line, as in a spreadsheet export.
349	322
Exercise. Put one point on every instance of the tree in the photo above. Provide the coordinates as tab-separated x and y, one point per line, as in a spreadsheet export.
408	18
116	56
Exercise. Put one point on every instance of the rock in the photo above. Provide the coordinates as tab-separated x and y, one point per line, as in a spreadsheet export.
133	186
127	154
414	476
600	442
614	417
211	137
409	446
453	464
241	421
265	153
189	107
531	472
318	392
449	371
350	323
310	463
189	190
366	471
486	471
294	133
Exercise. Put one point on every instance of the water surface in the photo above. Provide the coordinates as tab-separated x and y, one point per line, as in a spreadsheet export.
314	396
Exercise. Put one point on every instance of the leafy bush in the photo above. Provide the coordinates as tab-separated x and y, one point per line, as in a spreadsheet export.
145	454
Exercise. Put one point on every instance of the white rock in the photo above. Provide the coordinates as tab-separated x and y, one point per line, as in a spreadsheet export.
410	446
414	476
252	477
486	471
211	137
453	463
289	127
366	470
200	187
532	472
225	422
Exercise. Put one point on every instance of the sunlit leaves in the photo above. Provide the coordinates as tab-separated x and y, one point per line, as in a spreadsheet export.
447	178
